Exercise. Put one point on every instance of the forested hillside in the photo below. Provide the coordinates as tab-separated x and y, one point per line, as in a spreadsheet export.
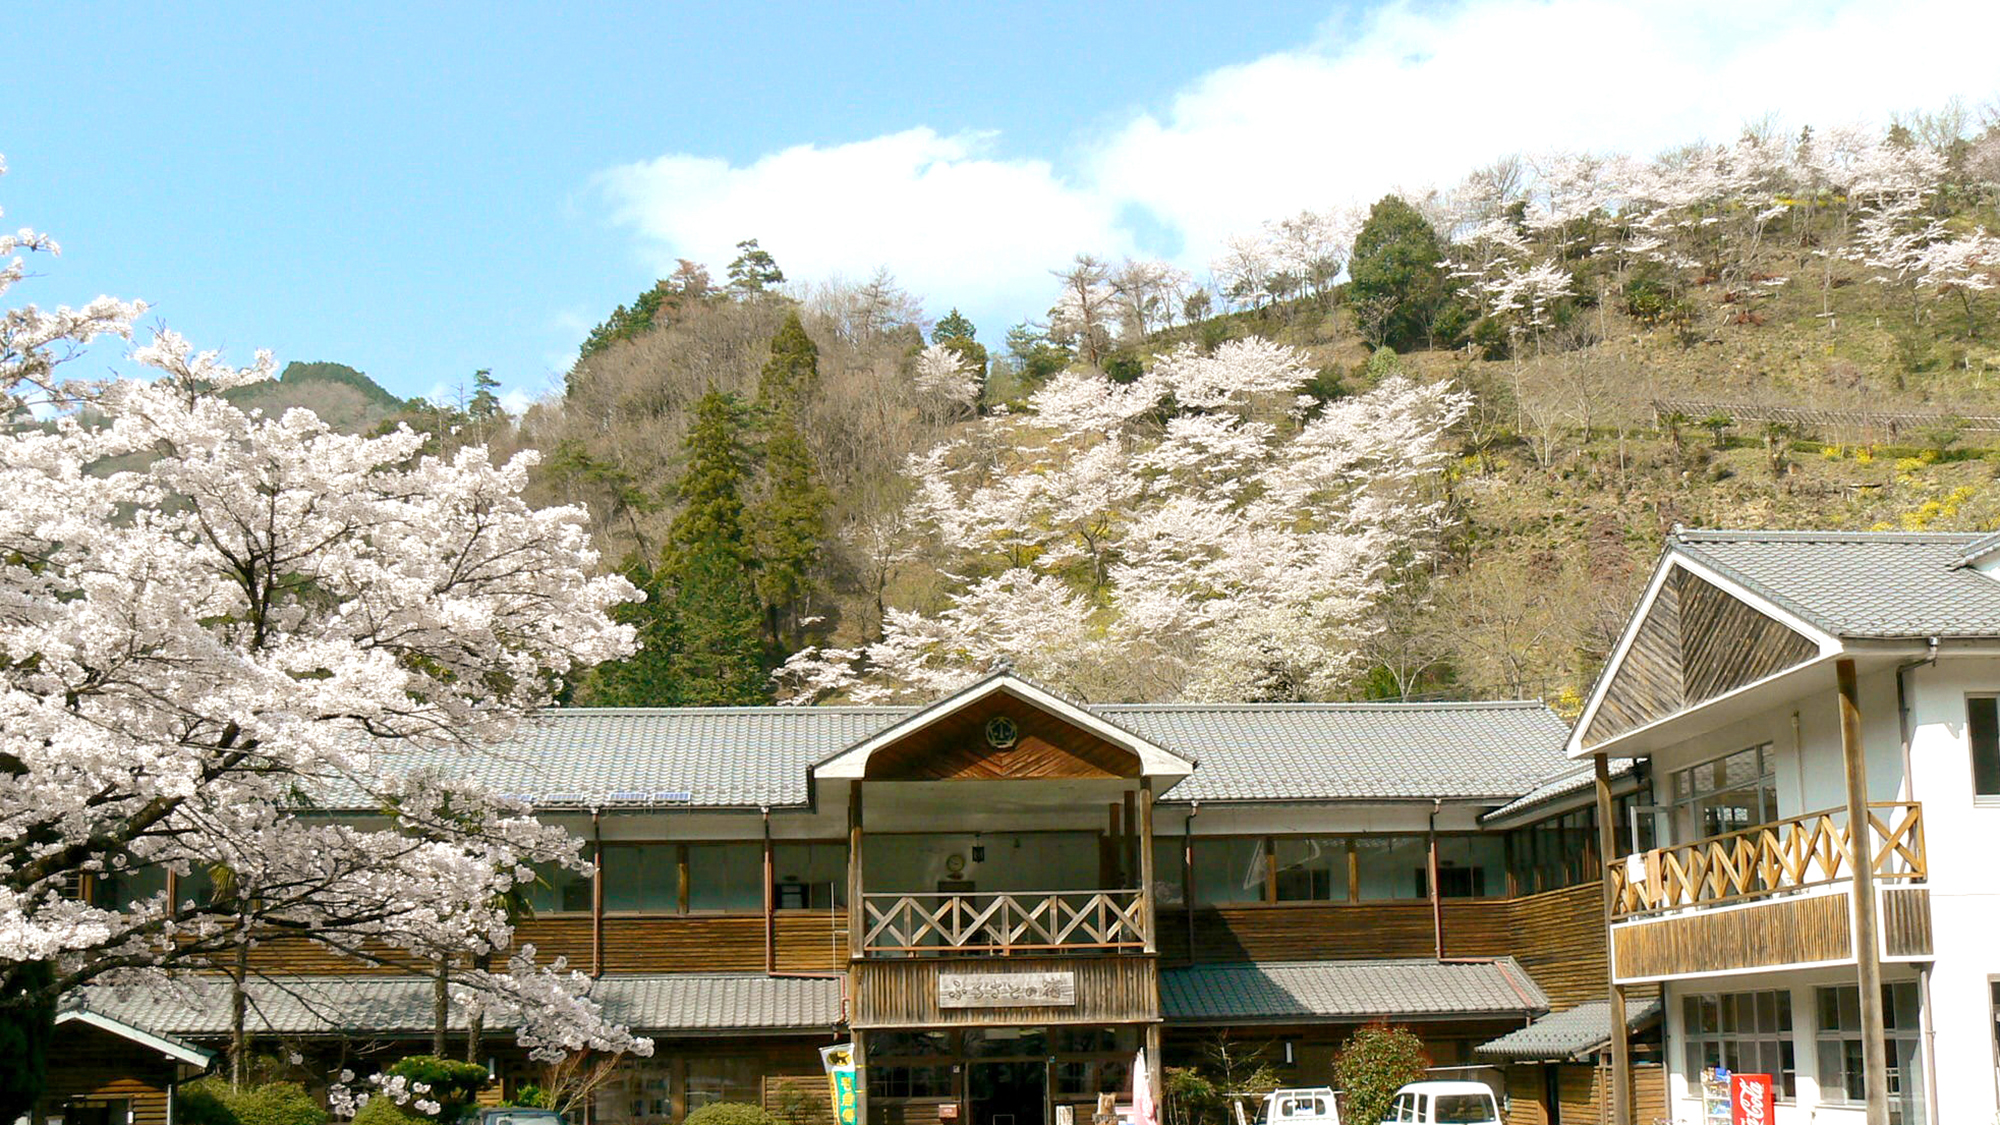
1428	448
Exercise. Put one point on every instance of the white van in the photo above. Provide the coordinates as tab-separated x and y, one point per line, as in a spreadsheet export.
1310	1105
1444	1103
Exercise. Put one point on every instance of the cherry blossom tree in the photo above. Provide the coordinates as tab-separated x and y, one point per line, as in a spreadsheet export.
214	624
1203	532
947	385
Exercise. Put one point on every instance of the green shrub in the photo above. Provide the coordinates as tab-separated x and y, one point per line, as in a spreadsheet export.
1373	1064
210	1101
453	1084
730	1113
531	1094
204	1101
381	1111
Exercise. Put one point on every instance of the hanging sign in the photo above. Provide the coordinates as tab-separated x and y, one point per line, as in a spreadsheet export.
1006	990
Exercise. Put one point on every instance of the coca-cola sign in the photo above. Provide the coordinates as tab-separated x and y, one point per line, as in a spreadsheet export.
1750	1100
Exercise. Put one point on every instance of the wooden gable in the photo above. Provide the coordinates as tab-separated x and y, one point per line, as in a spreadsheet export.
1696	642
956	748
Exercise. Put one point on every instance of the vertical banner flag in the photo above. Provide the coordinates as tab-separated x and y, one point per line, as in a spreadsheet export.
1750	1100
839	1062
1144	1112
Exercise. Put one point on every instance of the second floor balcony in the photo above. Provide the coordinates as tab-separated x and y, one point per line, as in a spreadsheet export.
1005	923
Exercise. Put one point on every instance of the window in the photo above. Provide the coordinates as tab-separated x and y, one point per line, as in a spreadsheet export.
1994	988
722	1080
909	1081
1471	866
1464	1109
641	877
639	1090
726	877
809	876
1749	1032
1228	869
1393	867
560	890
1840	1068
1732	792
1311	869
115	890
1982	736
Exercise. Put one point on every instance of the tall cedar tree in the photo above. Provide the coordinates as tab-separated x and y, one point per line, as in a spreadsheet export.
719	660
1398	285
646	678
954	326
788	523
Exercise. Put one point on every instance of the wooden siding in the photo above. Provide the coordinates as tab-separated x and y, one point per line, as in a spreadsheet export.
706	943
1316	931
904	993
955	748
810	941
1558	936
1583	1094
92	1065
1906	922
1697	642
1788	931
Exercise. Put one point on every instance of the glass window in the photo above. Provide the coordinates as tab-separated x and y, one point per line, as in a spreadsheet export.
1729	794
1311	869
1471	866
809	876
115	890
560	890
1749	1032
639	1090
909	1081
1007	1042
1228	869
722	1080
1982	736
1393	867
726	877
908	1044
641	877
1464	1109
1840	1055
1167	874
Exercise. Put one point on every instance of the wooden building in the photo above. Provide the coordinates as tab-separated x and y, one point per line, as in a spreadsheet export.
1000	897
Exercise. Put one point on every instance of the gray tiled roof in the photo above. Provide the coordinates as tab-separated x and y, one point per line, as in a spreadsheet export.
1581	1030
1345	991
1568	783
1858	584
1355	751
748	757
669	1004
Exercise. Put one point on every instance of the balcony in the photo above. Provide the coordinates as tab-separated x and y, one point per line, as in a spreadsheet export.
1004	924
1771	896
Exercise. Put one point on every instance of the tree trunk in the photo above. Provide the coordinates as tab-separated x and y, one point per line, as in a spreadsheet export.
441	1004
27	1024
475	1024
239	1005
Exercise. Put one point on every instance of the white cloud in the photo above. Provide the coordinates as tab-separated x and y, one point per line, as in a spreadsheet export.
1411	94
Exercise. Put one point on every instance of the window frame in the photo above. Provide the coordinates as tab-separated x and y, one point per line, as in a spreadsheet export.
1894	1034
1988	796
1783	1037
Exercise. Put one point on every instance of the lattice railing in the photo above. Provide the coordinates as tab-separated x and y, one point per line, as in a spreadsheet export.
1002	923
1786	855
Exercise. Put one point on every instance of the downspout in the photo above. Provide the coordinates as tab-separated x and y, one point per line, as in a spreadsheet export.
1926	1028
596	894
1437	899
770	903
1187	875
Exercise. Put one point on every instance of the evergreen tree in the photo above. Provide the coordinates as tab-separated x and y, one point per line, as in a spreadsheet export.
953	327
718	659
788	523
485	405
1398	287
646	678
754	270
625	323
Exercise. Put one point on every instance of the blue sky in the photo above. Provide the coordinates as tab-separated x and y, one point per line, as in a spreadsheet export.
422	190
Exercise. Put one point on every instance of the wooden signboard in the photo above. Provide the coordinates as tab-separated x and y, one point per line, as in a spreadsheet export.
1006	990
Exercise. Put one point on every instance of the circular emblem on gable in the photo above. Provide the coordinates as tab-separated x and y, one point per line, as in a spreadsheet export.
1001	732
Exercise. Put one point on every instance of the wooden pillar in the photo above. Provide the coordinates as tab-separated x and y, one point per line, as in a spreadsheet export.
1437	892
860	1043
1146	864
1861	856
596	894
1155	1069
857	917
1621	1047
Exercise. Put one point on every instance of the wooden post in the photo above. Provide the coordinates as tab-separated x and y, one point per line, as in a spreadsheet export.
1431	877
1146	863
1621	1047
1861	856
596	894
860	1037
1155	1069
770	904
857	918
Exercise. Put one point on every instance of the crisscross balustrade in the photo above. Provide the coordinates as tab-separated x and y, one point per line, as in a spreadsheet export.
1786	855
1002	923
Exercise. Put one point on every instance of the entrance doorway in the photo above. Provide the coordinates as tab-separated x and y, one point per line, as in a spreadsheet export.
1008	1093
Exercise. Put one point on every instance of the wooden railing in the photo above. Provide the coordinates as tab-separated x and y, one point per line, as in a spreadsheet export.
1020	922
1787	855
